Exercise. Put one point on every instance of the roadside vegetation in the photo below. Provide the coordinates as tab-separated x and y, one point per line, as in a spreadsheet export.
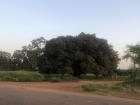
21	76
32	76
102	87
119	90
130	79
130	84
60	78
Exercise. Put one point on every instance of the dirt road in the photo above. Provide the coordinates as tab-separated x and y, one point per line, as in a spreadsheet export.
12	95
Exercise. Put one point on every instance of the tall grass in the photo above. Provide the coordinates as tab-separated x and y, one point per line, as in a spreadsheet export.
130	84
23	76
102	87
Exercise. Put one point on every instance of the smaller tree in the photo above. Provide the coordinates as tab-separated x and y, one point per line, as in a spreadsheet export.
28	57
35	50
133	53
20	60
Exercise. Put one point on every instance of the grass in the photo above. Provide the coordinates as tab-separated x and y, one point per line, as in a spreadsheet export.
119	88
101	87
113	78
129	87
20	76
27	76
32	76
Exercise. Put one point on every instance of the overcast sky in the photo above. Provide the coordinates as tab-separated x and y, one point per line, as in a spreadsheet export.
118	21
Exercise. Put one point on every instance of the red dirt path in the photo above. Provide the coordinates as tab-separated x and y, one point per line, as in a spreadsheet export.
66	86
56	86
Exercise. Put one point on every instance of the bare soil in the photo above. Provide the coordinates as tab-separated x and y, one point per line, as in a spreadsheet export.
56	86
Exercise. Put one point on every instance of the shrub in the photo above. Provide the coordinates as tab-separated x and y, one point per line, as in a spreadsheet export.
89	87
23	76
68	77
54	79
87	76
119	77
60	78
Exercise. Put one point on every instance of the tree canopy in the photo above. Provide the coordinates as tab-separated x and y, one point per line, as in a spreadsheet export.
78	55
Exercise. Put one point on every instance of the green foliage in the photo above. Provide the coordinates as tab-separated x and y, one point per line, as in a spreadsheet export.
118	78
5	60
68	77
113	77
112	88
28	57
54	79
87	76
89	87
20	60
101	87
123	72
20	76
60	78
133	78
78	55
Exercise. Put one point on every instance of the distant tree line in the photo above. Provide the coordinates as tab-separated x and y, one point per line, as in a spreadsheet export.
24	59
75	55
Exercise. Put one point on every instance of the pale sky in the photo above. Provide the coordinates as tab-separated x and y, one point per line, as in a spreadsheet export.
118	21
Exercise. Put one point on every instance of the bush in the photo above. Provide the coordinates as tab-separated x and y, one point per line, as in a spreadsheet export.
60	78
87	76
23	76
123	72
89	88
68	77
54	79
119	78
